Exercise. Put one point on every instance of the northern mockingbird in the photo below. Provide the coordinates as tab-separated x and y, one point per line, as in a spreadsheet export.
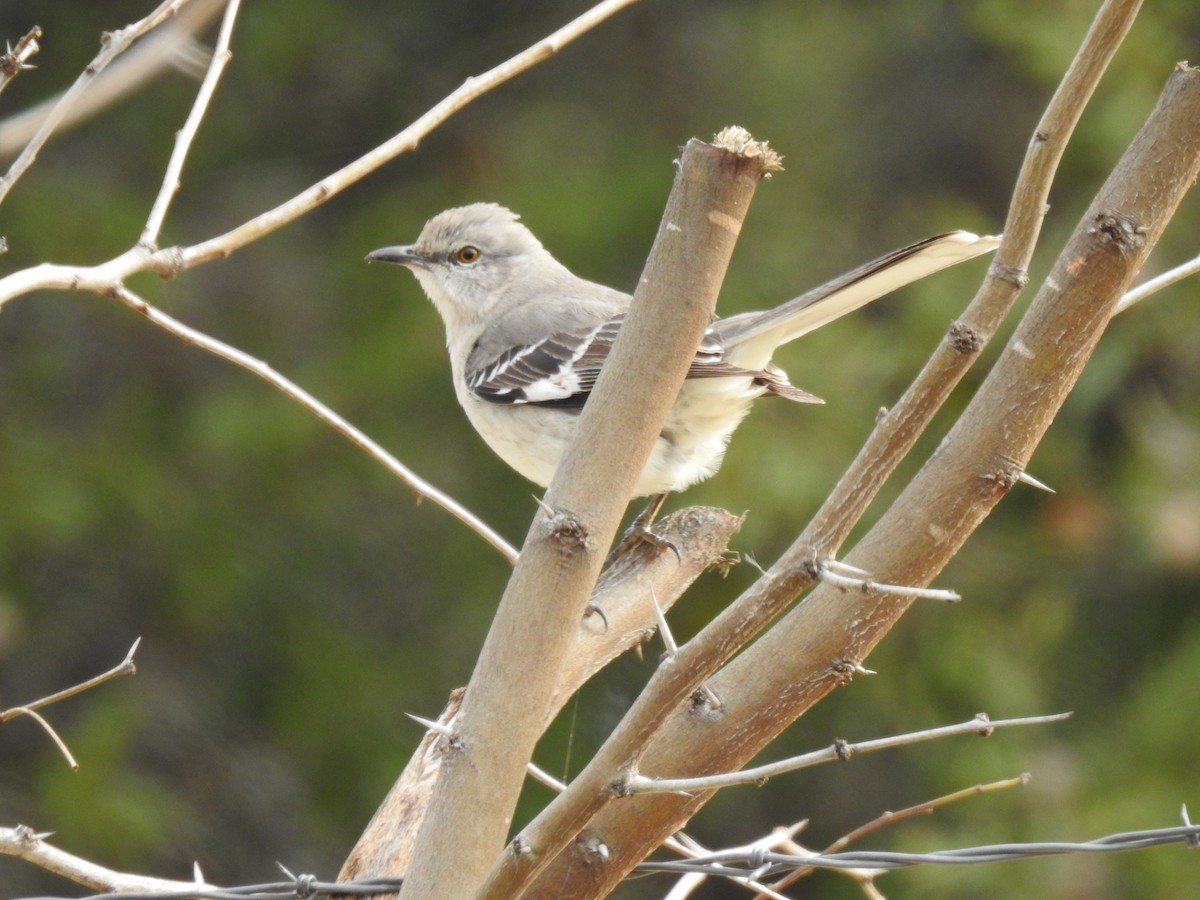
527	339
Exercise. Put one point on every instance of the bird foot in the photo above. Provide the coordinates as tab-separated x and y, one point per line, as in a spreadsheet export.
640	535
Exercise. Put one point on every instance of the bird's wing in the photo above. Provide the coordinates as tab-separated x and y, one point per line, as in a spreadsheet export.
562	369
559	370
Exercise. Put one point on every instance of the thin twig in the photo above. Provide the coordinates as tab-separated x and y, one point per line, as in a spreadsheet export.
839	750
16	59
1158	283
883	820
920	809
15	711
171	261
114	43
124	667
24	843
780	837
472	89
107	278
856	582
171	46
418	485
185	135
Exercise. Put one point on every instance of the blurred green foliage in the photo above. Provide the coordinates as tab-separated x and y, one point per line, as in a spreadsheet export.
294	601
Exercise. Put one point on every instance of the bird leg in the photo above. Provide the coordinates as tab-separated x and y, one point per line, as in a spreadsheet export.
639	531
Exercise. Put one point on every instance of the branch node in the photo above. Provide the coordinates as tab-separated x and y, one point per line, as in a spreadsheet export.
705	703
813	565
170	260
29	837
964	338
565	531
620	787
986	729
1120	231
594	849
843	670
842	748
1014	275
16	59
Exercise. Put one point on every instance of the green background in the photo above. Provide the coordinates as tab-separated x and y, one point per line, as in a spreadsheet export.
293	600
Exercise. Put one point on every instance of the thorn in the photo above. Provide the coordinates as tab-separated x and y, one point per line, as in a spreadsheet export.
1192	840
863	670
714	702
197	873
844	568
663	628
1026	478
431	725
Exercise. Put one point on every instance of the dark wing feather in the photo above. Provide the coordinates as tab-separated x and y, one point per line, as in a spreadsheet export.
560	370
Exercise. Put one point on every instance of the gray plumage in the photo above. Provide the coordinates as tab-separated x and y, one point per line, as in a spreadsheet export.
527	339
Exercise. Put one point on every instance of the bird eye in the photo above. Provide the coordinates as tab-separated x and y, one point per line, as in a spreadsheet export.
467	254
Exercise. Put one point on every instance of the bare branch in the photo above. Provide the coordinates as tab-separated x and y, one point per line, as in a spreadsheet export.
890	818
797	569
838	751
672	306
124	667
618	617
404	142
24	843
15	711
171	261
218	348
108	278
113	43
855	580
172	44
16	59
928	806
185	135
961	483
1158	283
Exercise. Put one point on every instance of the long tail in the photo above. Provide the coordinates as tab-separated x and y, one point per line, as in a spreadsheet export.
751	338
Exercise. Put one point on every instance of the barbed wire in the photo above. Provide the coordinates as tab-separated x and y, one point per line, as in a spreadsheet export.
757	864
766	863
299	887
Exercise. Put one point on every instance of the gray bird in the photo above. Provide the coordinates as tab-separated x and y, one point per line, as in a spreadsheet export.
527	339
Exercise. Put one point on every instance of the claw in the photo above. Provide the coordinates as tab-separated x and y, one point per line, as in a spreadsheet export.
639	533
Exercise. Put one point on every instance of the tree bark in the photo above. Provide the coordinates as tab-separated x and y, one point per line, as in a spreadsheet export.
817	646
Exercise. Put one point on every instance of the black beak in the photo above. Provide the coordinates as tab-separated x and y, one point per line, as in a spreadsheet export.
401	255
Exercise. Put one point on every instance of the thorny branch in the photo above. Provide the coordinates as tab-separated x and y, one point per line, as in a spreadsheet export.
839	750
124	667
16	59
